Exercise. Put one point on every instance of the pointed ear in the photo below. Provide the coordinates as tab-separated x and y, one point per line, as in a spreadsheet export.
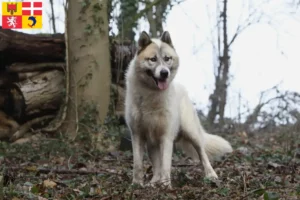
144	40
166	38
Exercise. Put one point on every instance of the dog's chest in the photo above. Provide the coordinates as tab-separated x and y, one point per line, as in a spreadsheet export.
154	118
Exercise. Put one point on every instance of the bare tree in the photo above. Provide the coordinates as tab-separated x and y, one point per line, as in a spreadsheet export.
222	49
281	107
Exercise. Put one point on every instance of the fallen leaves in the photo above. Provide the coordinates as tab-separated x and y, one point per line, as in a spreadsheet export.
49	184
54	170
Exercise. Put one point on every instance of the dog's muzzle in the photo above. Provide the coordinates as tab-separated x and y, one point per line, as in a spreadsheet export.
160	82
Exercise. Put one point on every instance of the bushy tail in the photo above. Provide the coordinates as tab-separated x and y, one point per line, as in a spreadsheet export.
215	147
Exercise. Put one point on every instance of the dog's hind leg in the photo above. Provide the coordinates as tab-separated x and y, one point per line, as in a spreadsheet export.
198	144
193	132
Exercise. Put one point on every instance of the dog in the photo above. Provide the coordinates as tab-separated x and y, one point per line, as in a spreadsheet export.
158	112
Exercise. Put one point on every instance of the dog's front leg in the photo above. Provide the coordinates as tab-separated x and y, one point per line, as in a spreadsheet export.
138	147
166	160
153	151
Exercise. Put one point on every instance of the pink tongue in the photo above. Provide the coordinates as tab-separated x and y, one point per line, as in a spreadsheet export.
162	85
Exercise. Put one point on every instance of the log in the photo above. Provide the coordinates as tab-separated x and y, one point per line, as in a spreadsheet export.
32	77
43	48
26	75
21	47
42	92
24	67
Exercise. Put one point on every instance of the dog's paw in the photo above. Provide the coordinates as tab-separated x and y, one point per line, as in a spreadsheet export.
151	185
166	185
159	184
211	175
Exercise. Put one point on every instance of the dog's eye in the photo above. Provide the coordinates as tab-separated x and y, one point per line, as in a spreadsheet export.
166	58
153	59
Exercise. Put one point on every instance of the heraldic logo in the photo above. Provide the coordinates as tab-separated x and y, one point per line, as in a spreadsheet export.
22	15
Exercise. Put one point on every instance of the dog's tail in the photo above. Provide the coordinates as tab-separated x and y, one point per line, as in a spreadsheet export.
215	147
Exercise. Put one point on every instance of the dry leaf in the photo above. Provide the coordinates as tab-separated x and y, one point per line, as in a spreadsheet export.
49	184
31	168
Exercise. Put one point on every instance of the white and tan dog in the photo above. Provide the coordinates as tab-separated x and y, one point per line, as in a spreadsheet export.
159	112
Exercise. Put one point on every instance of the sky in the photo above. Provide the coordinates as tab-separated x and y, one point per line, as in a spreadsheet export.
263	55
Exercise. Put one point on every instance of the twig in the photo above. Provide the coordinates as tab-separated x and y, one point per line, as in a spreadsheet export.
1	187
244	182
65	171
265	189
184	165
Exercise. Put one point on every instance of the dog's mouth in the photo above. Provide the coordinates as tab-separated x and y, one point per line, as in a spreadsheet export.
161	83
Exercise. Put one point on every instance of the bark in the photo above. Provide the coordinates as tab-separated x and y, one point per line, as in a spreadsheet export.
24	67
20	47
89	56
42	92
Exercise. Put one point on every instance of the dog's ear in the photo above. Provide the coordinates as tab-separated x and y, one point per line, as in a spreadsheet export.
166	38
144	40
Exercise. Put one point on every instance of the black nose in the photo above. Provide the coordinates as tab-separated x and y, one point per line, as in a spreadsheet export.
164	73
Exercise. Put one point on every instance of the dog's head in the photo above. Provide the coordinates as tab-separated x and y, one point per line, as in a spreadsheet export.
157	62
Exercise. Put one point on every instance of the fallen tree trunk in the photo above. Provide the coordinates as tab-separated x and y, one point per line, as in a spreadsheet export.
32	71
24	67
21	47
49	52
42	92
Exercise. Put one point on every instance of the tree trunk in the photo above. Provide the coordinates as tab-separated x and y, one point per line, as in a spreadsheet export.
224	81
156	18
89	61
219	97
127	21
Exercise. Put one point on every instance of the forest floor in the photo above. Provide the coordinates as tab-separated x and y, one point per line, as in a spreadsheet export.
266	167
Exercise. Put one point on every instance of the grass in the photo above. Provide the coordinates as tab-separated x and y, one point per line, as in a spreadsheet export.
268	169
